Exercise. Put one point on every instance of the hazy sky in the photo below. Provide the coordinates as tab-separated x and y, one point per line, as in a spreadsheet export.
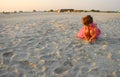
29	5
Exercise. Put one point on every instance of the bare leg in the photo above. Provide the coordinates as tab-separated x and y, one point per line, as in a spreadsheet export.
87	35
93	36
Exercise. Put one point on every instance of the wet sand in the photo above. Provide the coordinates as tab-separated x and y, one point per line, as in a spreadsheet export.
45	45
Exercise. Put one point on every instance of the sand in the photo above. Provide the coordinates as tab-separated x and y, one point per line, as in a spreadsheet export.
44	44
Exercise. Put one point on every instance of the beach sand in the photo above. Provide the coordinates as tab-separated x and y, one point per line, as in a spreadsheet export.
44	44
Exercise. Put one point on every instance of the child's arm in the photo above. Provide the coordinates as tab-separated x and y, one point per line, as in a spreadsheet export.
86	37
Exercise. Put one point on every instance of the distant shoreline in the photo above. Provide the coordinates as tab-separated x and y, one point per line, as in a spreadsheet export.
59	11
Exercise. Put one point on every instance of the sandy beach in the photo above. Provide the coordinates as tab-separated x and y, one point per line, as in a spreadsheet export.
44	44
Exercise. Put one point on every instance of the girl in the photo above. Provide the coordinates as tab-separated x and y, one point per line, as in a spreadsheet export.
90	32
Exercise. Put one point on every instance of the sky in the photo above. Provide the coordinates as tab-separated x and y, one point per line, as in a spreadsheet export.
42	5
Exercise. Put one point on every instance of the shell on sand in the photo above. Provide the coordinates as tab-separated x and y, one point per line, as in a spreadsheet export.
43	68
104	46
119	51
16	71
33	65
114	74
58	54
119	65
42	62
17	42
94	66
109	55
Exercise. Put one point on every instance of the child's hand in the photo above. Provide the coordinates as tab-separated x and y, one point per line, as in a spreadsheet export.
87	38
92	40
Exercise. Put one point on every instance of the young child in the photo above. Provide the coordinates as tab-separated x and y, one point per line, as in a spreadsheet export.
90	32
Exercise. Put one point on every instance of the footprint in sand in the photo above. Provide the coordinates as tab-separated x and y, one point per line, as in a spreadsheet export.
65	67
7	57
8	54
27	64
60	70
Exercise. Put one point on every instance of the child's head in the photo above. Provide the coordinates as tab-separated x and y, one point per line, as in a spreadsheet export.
87	20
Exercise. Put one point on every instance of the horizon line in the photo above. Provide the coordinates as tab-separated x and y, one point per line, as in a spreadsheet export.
54	10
